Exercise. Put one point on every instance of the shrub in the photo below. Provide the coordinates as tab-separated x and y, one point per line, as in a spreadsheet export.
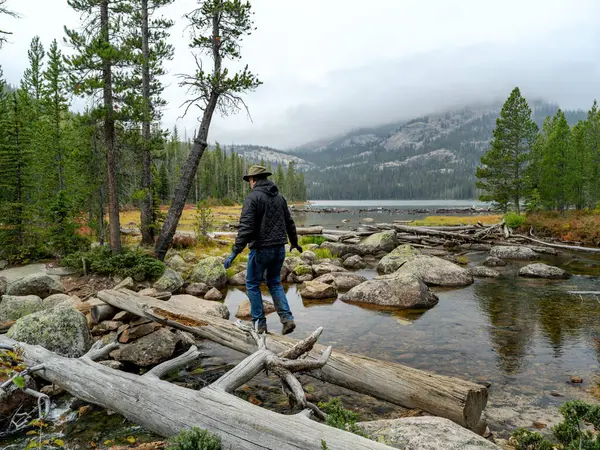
128	263
305	240
340	417
195	439
203	221
323	253
514	220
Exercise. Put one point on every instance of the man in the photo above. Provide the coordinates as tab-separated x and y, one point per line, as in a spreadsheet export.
265	225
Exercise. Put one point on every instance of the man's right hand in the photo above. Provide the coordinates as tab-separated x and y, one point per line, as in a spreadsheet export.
297	247
229	260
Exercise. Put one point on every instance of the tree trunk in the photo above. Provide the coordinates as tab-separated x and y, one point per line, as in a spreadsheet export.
109	138
452	398
167	409
148	218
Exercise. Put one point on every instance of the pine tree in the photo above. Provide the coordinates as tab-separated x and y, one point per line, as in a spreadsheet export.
592	144
555	175
578	164
502	171
163	178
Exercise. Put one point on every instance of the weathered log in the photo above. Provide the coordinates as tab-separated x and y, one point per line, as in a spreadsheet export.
309	230
330	237
562	246
459	400
584	292
102	312
167	409
436	233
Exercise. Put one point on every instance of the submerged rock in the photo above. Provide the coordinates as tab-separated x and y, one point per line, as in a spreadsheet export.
436	271
344	281
62	329
36	284
14	307
400	255
493	261
540	270
484	272
399	290
514	252
354	262
210	271
244	313
170	281
425	433
317	290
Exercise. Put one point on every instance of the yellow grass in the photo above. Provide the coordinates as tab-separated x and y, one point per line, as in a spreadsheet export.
458	220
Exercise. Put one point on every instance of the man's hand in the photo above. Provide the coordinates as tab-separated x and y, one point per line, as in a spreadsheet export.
229	260
297	247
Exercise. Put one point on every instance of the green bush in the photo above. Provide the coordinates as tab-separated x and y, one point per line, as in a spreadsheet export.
195	439
305	240
340	417
514	220
323	253
128	263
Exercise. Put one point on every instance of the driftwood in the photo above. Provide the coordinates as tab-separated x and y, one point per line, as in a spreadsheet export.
562	246
102	312
309	230
436	233
584	292
167	409
459	400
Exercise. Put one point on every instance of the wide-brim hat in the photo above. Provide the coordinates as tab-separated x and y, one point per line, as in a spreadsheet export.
256	170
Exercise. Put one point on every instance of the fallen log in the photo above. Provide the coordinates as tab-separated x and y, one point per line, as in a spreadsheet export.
309	230
459	400
584	292
167	409
562	246
436	233
102	312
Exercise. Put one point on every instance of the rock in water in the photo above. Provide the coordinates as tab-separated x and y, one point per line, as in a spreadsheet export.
317	290
514	252
425	433
36	284
436	271
379	242
540	270
239	279
493	261
213	294
151	349
327	267
243	311
399	290
197	289
62	329
341	249
344	281
170	281
210	271
354	262
14	307
484	272
400	255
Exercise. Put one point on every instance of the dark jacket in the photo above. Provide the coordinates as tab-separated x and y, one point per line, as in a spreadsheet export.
265	220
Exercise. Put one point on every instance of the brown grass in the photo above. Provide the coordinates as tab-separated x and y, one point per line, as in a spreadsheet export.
433	221
571	226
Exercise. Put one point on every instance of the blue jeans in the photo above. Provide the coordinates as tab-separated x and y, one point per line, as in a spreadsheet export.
269	260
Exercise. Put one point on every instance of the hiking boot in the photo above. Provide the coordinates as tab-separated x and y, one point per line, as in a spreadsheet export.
288	327
261	329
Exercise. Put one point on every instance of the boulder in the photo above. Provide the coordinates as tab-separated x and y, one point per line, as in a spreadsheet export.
127	283
484	272
399	290
514	252
210	271
393	261
170	281
196	305
213	294
379	242
131	334
308	257
354	262
341	249
239	279
62	330
36	284
106	326
311	246
302	269
14	307
493	261
149	350
152	292
177	263
197	289
425	433
243	311
317	290
343	281
3	285
540	270
436	271
3	264
327	267
58	299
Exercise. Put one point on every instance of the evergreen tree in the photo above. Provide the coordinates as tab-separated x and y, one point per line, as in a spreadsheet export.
555	174
502	171
592	145
163	178
578	165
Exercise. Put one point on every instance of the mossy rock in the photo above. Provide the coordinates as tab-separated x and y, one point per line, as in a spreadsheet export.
303	269
210	271
399	256
62	329
170	281
379	242
14	307
36	284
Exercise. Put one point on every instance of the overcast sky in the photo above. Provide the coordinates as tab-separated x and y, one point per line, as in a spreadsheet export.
329	66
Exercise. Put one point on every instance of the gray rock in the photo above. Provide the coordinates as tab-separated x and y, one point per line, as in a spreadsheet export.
484	272
317	290
343	281
127	283
199	306
210	271
327	267
244	313
151	349
3	285
302	278
436	271
400	255
477	247
540	270
514	252
493	261
62	329
177	263
311	246
115	365
213	294
197	289
308	257
341	249
170	281
36	284
379	242
58	299
14	307
152	292
354	262
399	290
424	433
3	264
239	279
106	326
